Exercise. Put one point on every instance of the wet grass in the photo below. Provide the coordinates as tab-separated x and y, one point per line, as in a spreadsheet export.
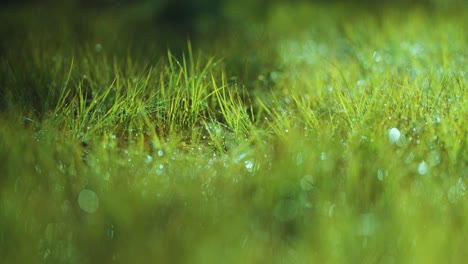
322	137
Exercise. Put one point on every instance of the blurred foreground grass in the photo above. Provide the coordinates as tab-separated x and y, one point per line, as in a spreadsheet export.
272	142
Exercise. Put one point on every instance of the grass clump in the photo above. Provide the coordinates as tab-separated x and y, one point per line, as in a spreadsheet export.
343	140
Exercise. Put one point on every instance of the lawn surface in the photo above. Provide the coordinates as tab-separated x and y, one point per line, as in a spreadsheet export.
294	133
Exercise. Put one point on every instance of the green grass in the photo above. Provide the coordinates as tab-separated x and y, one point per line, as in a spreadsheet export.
268	143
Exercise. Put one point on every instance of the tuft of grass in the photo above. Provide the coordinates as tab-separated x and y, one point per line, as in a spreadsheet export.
274	148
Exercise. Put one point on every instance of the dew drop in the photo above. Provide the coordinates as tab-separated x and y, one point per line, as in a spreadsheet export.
452	195
299	159
88	201
149	159
367	224
401	141
307	183
434	158
98	47
409	159
331	210
110	231
422	168
323	156
457	191
377	57
304	201
394	135
381	174
249	165
38	168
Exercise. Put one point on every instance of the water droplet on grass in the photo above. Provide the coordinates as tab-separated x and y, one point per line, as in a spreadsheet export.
401	141
88	201
160	169
381	174
38	168
149	159
249	165
160	153
376	56
367	224
304	201
98	47
46	254
110	231
107	176
422	168
299	159
394	135
457	191
307	183
323	156
331	210
409	159
434	158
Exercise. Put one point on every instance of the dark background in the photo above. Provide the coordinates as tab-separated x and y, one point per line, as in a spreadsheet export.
180	15
144	24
